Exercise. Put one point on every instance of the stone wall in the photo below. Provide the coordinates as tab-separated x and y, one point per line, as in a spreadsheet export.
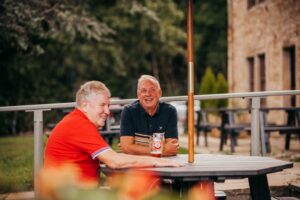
266	28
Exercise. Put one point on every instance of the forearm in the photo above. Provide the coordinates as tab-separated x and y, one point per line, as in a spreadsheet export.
170	152
128	160
119	160
128	146
136	149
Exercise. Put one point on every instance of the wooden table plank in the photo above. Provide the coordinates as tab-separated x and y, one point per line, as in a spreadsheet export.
222	165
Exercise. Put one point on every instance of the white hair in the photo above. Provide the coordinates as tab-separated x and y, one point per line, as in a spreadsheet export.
89	89
149	78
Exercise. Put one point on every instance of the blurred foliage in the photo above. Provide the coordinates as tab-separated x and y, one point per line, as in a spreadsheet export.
295	159
213	85
221	86
49	47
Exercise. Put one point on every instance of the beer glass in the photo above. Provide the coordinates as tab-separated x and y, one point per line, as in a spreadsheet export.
157	144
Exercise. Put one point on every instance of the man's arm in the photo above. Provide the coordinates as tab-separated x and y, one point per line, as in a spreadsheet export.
171	147
171	143
128	146
119	160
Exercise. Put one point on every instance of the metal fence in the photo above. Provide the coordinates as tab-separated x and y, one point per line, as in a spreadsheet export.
40	108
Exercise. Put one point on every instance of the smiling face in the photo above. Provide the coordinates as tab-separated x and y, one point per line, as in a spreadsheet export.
149	93
96	108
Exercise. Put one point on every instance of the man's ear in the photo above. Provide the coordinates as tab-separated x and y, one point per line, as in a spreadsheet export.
84	106
160	93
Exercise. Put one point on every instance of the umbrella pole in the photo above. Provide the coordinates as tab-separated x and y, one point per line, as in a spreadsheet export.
190	82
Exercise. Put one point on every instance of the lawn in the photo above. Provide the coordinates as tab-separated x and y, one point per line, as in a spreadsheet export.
16	163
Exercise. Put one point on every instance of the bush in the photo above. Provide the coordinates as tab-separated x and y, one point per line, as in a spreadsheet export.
221	86
212	85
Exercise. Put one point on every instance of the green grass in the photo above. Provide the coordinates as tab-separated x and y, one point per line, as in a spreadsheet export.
183	151
16	163
296	159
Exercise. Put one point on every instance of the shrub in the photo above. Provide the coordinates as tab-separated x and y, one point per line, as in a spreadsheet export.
212	85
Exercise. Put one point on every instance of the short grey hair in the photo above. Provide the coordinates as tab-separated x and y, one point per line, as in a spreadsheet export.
89	89
149	78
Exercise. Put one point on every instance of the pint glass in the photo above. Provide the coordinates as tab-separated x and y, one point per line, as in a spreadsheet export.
157	144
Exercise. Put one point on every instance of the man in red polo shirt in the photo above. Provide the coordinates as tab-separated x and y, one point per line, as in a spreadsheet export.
76	139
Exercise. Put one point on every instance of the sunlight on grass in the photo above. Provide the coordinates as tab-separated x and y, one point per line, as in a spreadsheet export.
16	163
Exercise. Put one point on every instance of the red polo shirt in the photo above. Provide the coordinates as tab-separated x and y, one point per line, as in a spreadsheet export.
76	140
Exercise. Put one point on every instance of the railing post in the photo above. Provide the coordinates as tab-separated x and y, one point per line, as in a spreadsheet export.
255	139
108	123
38	146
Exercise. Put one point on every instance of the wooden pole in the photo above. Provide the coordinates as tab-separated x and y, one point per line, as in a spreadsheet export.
190	82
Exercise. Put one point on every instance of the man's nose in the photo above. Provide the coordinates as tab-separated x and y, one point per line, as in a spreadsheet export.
107	111
149	92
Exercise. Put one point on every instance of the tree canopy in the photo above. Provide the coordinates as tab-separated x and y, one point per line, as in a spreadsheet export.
49	47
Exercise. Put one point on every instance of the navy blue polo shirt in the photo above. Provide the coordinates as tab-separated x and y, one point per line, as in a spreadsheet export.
135	120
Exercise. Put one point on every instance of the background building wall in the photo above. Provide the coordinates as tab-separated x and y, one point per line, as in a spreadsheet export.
265	28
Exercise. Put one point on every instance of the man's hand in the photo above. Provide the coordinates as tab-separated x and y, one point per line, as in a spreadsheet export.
171	147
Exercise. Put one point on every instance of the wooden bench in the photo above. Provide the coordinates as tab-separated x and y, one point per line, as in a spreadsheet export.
229	127
203	125
292	126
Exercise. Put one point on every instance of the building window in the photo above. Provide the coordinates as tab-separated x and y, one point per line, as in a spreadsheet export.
262	77
250	61
262	72
289	77
250	3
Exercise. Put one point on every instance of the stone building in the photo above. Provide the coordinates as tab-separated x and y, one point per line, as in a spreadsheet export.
264	49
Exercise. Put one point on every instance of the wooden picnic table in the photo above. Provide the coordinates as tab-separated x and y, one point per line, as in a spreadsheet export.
229	127
292	126
218	168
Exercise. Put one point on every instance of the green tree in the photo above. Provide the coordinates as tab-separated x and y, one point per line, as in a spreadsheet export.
48	48
213	85
207	86
221	86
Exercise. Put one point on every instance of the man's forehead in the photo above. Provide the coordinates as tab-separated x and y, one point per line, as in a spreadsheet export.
148	83
96	96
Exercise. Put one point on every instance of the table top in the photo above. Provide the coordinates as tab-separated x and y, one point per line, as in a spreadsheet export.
220	167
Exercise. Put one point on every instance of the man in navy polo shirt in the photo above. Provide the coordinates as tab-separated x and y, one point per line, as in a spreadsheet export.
146	116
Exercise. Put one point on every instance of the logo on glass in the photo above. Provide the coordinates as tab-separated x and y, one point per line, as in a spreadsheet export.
157	144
